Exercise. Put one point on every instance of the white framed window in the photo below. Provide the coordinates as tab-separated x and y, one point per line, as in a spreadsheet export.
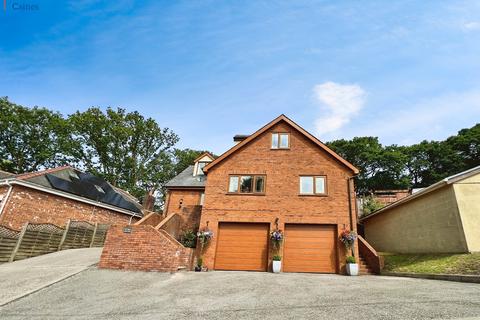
280	141
313	185
233	184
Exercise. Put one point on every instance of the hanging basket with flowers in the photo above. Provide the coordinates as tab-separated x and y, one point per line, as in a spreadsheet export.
204	236
276	236
348	238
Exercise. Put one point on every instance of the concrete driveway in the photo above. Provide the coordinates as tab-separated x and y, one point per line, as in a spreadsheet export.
24	277
106	294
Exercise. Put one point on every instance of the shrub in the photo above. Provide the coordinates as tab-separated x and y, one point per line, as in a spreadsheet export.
277	258
189	239
351	259
370	205
200	262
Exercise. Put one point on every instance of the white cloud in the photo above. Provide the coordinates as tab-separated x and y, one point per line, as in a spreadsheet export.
340	103
471	26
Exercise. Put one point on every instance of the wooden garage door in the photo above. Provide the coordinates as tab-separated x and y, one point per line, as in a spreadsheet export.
310	248
242	246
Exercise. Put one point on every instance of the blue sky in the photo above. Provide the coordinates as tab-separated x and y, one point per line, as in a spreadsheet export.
403	71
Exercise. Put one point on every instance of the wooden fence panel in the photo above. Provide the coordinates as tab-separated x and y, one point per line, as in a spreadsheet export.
79	235
39	239
100	235
8	241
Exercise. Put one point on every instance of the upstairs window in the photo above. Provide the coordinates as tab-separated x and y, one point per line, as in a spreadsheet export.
280	140
313	185
247	184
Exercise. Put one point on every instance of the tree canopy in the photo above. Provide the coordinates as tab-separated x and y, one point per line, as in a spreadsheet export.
30	138
128	150
417	165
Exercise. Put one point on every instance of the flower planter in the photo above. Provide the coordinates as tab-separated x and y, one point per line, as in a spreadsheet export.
277	266
198	269
352	269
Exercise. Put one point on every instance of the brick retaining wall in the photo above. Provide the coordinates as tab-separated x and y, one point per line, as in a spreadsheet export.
141	247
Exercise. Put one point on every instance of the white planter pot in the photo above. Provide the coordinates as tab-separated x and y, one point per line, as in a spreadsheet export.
277	265
352	269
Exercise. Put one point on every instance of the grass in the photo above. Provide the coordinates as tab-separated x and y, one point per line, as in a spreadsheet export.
433	263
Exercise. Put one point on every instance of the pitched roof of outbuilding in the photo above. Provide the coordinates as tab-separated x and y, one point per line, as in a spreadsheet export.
280	118
447	181
65	181
186	179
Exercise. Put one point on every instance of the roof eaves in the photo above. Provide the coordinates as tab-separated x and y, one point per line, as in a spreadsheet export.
205	154
29	175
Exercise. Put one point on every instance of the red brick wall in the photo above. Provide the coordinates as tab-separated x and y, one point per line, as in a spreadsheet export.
144	249
29	205
3	190
387	199
189	210
281	199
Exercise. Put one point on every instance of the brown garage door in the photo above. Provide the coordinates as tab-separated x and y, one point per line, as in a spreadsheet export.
309	248
242	246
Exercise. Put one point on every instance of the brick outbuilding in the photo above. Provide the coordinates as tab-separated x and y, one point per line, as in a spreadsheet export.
61	194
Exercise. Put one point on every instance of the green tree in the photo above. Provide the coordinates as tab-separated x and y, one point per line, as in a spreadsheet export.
373	161
128	150
467	146
430	161
30	138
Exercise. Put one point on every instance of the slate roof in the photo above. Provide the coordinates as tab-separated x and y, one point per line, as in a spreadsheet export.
185	179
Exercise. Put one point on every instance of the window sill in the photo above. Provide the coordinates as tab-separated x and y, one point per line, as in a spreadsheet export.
312	195
244	194
279	148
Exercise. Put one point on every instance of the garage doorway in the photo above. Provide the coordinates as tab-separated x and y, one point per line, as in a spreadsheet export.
310	248
242	246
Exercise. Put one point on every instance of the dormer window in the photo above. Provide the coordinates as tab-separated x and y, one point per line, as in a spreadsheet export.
201	162
200	167
280	140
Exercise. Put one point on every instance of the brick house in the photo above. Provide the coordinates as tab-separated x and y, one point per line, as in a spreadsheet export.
281	177
63	193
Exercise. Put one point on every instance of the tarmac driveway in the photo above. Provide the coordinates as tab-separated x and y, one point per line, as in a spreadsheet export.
106	294
24	277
